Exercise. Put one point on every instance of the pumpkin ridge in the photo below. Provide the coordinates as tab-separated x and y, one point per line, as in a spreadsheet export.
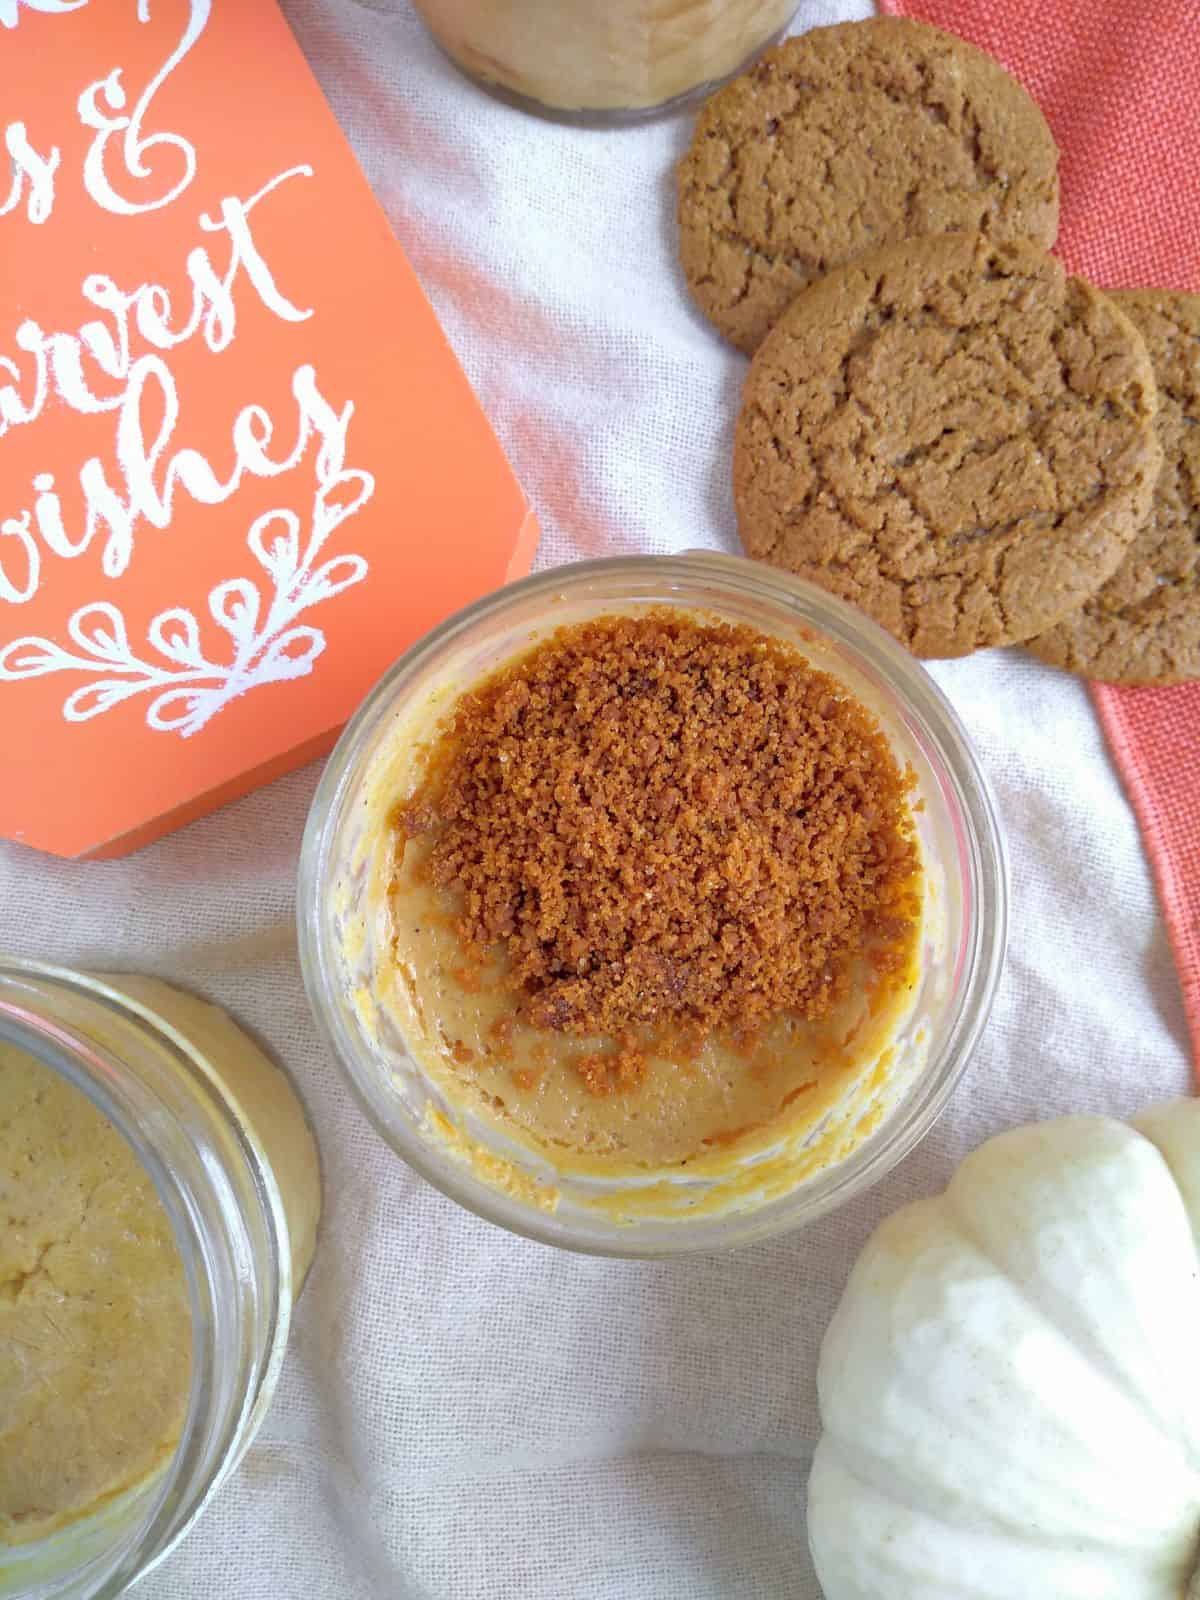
1131	1144
891	1573
929	1490
1061	1316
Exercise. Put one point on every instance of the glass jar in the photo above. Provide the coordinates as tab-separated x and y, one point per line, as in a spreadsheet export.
345	938
602	60
226	1142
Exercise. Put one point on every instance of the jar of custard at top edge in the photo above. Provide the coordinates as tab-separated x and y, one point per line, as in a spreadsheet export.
602	60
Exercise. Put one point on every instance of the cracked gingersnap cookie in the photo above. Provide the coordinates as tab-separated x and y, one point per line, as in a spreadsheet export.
845	139
1143	626
953	435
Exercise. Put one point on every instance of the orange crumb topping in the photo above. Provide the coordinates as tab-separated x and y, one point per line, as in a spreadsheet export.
668	823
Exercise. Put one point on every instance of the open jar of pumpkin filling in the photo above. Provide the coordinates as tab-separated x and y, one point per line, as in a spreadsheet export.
159	1200
653	904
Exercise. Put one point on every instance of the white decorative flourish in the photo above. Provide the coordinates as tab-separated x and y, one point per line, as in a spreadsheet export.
269	645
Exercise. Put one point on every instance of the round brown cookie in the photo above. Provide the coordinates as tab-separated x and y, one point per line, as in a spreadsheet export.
1143	626
845	139
953	435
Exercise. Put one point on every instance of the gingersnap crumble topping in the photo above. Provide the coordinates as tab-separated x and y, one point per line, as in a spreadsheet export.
667	822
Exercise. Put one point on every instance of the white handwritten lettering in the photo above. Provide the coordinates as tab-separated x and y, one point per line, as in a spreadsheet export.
10	10
106	96
235	221
59	360
14	412
30	171
118	362
18	593
143	494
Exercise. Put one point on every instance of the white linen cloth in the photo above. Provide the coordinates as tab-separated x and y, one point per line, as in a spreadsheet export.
464	1415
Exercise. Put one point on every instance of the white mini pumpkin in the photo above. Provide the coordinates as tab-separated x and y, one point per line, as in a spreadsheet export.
1010	1388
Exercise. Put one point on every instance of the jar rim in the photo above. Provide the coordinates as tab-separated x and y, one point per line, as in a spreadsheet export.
675	578
208	1444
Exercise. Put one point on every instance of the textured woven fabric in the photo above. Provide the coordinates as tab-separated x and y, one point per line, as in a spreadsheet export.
1155	737
1120	86
464	1415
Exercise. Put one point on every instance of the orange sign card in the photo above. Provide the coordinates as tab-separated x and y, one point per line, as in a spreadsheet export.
240	469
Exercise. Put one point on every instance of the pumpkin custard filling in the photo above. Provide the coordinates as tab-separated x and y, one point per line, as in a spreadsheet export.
657	885
95	1322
